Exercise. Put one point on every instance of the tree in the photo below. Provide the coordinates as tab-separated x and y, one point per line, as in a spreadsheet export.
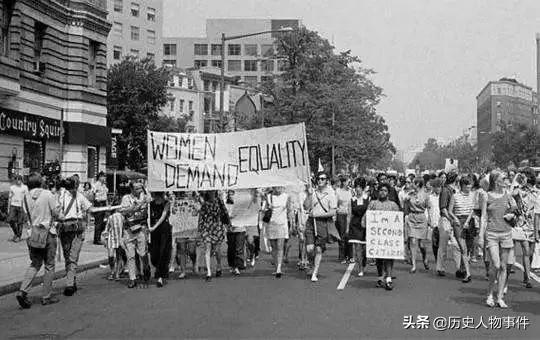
434	155
515	143
317	83
136	91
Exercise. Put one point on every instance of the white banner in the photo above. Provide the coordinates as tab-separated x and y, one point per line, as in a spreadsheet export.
275	156
384	236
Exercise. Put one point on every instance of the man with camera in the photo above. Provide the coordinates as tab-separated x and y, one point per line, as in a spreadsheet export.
135	210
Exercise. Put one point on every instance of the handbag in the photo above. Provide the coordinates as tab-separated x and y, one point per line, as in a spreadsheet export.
38	234
267	215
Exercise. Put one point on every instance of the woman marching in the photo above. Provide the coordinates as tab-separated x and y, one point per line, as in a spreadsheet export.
463	208
416	203
211	228
160	236
357	230
277	228
497	210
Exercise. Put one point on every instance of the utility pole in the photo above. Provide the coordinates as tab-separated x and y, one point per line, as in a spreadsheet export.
61	160
333	142
222	82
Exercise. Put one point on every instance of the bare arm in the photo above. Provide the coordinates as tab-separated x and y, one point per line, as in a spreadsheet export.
163	217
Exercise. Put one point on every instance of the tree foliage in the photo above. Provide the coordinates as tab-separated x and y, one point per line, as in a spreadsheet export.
317	83
516	143
136	91
434	155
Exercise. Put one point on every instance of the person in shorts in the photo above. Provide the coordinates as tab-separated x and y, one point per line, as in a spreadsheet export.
321	206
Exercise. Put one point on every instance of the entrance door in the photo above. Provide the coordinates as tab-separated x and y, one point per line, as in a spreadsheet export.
33	156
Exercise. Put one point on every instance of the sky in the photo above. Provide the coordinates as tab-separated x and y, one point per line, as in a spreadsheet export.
431	58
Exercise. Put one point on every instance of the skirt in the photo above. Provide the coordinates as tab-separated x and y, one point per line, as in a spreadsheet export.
274	231
417	226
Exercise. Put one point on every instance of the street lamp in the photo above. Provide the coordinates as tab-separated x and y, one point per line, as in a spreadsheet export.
233	37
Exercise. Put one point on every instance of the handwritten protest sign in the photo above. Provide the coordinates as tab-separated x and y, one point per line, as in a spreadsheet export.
275	156
384	237
184	217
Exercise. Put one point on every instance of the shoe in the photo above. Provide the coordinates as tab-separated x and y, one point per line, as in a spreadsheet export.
218	273
22	299
505	290
253	262
69	290
486	277
171	270
394	277
49	301
286	261
208	278
159	283
380	284
361	273
512	270
501	303
182	275
426	265
467	279
388	285
489	301
278	275
441	273
132	284
412	271
314	278
236	272
110	277
528	284
17	239
345	261
460	274
474	260
103	266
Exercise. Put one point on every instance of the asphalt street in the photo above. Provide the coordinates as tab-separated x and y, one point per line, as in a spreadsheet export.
257	305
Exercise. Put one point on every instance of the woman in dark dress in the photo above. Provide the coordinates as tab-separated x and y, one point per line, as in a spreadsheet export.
357	231
160	236
213	218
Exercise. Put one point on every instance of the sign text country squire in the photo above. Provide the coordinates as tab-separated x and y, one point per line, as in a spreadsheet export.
385	234
274	156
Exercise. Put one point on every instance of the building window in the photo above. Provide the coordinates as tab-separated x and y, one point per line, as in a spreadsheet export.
135	33
135	9
234	65
250	65
39	35
267	65
216	49
234	49
190	106
33	155
181	105
151	36
118	29
250	50
171	104
93	162
201	49
169	62
150	14
93	48
150	55
118	6
251	80
265	79
117	52
216	63
207	105
282	65
134	52
206	85
169	49
5	32
267	50
201	63
215	86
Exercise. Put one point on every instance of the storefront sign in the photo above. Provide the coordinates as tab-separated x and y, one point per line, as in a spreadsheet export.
29	126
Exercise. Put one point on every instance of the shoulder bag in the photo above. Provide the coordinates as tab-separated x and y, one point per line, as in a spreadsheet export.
267	216
38	234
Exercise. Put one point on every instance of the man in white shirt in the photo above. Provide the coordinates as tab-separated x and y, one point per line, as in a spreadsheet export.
16	216
100	197
321	205
343	217
73	209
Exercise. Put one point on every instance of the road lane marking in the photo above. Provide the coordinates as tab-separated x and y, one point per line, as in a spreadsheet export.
533	275
346	276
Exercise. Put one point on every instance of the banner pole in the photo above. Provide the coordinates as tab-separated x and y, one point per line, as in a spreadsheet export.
312	190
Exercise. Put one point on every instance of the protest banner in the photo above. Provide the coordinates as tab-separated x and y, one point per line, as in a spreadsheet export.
275	156
384	234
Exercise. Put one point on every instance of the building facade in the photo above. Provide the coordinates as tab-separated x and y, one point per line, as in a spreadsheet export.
137	27
253	59
506	101
53	69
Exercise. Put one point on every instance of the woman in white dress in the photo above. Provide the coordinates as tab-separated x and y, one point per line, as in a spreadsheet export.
277	229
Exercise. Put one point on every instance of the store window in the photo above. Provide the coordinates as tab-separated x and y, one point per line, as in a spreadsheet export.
34	155
93	162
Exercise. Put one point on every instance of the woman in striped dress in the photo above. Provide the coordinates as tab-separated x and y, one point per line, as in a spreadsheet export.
113	235
463	208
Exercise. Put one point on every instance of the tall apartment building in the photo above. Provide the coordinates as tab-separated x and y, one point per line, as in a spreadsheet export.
507	101
251	58
137	27
53	69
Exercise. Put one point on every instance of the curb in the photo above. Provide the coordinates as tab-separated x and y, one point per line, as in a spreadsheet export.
13	287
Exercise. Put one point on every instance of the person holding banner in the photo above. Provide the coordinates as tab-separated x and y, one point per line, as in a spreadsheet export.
322	206
160	236
384	266
213	217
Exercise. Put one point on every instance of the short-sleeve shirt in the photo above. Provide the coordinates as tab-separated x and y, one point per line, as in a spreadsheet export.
386	205
17	193
79	207
101	192
445	197
323	202
41	204
343	197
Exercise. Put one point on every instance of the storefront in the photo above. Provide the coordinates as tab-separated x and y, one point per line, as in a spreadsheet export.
29	142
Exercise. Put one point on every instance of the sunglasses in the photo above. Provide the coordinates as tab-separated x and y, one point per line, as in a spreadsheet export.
321	179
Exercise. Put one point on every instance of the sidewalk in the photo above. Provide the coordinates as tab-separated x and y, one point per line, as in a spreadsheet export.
14	259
